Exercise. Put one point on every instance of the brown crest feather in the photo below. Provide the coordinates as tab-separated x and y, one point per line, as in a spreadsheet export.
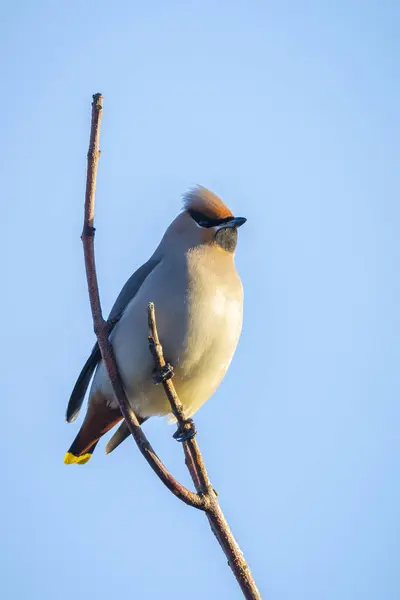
206	202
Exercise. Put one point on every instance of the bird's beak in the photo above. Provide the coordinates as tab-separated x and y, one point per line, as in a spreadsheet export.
234	222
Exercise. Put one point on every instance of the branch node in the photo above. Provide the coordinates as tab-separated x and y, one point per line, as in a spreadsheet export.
88	231
100	328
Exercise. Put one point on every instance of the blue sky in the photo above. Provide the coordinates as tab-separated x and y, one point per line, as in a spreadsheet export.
289	111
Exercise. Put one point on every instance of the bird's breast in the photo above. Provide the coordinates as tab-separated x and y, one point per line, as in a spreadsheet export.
214	309
199	319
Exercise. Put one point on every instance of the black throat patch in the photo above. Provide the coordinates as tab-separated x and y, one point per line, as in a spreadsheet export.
227	238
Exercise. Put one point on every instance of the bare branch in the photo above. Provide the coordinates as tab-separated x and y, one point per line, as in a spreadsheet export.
206	498
198	472
203	481
101	326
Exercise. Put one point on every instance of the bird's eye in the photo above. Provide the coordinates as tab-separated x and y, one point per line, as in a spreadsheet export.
205	221
201	219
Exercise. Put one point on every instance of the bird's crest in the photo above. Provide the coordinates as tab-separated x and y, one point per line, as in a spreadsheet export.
206	202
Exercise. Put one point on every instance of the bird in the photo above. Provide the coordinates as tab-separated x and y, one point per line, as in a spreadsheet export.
198	295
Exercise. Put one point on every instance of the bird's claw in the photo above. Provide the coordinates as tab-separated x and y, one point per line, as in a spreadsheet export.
183	434
163	374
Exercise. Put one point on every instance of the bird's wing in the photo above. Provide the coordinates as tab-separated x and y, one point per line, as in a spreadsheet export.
131	288
128	292
81	385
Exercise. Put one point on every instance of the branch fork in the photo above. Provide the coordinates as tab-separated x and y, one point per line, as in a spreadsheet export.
205	498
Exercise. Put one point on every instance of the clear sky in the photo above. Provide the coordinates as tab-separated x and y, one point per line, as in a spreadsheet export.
290	112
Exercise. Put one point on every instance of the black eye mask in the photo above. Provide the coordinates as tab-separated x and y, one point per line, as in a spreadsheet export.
205	221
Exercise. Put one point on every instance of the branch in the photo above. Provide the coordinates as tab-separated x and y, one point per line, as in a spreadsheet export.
198	472
206	498
101	327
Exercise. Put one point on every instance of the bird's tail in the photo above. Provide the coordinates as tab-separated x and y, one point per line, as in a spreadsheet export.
72	457
100	418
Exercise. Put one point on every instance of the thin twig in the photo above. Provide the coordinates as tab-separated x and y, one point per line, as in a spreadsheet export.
206	498
204	485
198	472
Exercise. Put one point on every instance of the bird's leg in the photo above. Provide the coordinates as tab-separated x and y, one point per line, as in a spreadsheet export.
185	432
163	374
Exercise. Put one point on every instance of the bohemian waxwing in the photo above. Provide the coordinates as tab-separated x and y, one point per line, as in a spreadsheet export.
198	297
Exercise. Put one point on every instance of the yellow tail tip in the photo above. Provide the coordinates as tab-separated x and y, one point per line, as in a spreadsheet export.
71	459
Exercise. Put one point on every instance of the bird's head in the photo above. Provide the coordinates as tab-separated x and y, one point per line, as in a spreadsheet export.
207	220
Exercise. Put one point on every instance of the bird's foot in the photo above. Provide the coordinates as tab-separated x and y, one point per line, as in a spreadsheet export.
185	432
161	375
